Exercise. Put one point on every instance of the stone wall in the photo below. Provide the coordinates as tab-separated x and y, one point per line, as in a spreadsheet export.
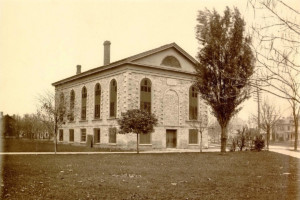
170	103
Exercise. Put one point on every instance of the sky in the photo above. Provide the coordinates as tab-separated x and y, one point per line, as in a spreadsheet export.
42	41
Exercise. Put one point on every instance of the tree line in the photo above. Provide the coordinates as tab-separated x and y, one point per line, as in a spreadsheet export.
28	126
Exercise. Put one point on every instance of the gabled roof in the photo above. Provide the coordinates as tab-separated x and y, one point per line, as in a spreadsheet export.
128	60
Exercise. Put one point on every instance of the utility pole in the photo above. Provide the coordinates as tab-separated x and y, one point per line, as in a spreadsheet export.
257	98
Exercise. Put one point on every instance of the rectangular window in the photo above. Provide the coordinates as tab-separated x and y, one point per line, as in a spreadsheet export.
83	135
112	135
193	136
61	135
145	138
71	135
97	135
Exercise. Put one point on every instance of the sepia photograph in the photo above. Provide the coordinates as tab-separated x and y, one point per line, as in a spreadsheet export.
149	99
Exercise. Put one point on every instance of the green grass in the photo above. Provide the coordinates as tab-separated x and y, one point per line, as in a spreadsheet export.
24	145
239	175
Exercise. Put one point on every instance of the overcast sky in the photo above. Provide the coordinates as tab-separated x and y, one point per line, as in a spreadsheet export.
42	41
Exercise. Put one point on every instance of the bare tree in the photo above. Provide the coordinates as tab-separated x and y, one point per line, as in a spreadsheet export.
201	125
276	43
293	89
277	37
269	117
52	110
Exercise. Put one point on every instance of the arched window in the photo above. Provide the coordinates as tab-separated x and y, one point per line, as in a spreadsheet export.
61	107
113	98
72	105
97	101
145	105
145	95
193	103
83	103
170	61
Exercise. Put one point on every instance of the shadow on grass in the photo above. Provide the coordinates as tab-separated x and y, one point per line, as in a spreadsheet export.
25	145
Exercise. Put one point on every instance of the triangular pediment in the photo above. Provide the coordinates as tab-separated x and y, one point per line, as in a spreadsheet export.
172	57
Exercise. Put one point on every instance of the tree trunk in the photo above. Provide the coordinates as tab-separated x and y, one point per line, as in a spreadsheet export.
223	138
55	139
137	143
55	144
296	135
268	137
200	141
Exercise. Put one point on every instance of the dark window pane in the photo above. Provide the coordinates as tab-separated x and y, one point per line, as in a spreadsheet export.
112	135
112	109
171	61
97	101
83	135
97	135
145	95
193	104
61	135
113	99
71	135
193	136
145	138
83	103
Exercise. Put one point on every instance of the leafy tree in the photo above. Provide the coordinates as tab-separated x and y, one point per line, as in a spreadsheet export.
226	63
8	126
138	122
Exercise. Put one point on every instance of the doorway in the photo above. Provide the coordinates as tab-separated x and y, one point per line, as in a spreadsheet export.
171	138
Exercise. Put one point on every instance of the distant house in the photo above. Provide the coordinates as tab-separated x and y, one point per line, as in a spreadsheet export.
159	81
284	129
8	126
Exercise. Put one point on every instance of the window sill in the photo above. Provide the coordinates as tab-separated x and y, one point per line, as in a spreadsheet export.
145	144
71	122
96	120
192	120
82	142
112	118
71	141
193	144
83	121
97	143
112	144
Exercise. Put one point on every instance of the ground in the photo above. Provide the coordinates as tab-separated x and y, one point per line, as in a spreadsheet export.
238	175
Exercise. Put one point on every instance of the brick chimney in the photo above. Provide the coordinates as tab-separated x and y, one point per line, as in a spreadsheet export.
78	69
106	52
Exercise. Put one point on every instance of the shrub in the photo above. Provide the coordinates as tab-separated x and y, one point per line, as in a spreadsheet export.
259	143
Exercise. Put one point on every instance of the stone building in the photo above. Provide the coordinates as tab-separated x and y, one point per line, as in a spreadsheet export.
158	80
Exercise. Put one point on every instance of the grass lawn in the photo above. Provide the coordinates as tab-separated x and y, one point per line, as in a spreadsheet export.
23	145
239	175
